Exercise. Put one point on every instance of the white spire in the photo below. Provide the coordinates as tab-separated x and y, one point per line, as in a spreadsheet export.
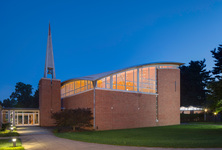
49	59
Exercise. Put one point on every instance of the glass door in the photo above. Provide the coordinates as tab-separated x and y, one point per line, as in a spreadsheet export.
30	118
19	118
26	118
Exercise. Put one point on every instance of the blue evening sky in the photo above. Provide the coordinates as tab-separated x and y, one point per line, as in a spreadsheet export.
91	37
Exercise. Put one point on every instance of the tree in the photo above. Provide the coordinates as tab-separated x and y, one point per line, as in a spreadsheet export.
214	94
217	55
215	86
22	94
8	103
22	97
194	79
80	117
35	99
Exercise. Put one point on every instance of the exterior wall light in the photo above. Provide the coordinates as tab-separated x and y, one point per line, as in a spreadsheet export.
14	142
205	110
215	113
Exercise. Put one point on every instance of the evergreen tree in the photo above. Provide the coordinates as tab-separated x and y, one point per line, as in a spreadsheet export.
217	55
215	86
194	78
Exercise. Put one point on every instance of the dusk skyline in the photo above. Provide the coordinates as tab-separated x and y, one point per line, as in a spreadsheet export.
92	37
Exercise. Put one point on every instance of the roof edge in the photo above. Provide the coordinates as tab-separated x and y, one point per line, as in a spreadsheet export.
95	77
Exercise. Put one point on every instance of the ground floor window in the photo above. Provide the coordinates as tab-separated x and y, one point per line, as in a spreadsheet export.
20	117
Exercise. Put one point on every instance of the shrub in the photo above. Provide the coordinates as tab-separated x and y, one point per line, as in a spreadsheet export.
5	126
73	118
191	117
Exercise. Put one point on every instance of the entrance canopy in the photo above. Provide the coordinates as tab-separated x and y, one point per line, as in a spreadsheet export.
20	116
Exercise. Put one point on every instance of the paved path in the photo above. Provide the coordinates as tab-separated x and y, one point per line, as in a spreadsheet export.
37	138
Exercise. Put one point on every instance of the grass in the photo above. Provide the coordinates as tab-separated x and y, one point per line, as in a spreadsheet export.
6	144
179	136
207	123
7	133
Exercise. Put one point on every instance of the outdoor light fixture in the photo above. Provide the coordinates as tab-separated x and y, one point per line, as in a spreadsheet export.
205	115
14	142
215	113
11	128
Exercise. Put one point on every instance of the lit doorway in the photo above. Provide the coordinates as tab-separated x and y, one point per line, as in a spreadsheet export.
21	117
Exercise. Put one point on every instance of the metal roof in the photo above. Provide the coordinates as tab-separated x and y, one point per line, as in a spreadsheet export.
95	77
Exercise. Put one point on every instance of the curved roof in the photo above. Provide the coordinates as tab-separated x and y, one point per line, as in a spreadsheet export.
95	77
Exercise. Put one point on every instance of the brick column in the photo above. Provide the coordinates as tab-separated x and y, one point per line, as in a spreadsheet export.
49	100
168	96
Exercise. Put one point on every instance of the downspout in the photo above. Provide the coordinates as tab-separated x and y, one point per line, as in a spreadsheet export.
94	104
157	119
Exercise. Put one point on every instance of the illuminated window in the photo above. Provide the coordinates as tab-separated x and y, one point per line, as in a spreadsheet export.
101	83
104	83
121	81
141	79
75	87
131	77
168	67
114	81
108	82
147	79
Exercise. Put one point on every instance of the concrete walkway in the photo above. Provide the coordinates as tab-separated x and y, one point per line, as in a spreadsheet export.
37	138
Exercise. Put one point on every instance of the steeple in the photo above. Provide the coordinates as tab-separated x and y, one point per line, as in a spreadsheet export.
49	60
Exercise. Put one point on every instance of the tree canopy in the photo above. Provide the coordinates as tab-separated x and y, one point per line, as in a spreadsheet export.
22	97
194	78
217	55
80	117
215	86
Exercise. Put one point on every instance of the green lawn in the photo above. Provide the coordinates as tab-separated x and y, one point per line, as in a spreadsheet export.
169	136
8	133
208	123
6	144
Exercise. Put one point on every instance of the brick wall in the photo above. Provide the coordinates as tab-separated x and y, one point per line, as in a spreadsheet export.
119	110
49	100
169	96
82	100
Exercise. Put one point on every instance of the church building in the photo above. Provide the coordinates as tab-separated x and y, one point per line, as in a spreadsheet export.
137	96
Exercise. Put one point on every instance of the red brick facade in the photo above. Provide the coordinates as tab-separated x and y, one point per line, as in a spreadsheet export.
82	100
119	109
49	100
168	88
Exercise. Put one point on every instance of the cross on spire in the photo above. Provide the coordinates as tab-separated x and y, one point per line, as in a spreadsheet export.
49	60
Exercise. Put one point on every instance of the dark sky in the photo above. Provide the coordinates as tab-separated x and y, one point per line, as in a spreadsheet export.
91	37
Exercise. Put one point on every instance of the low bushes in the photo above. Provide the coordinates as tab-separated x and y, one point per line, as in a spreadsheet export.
191	118
5	126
